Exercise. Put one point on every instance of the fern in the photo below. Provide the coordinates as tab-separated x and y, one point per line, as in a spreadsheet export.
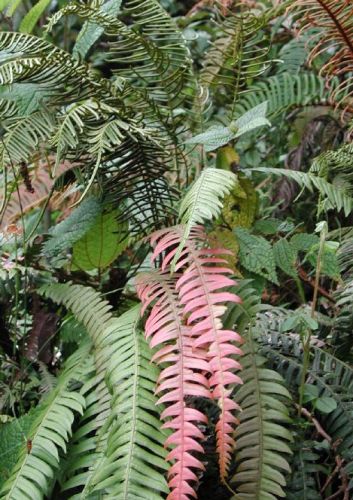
199	290
333	21
236	55
262	439
184	376
285	91
135	443
35	472
332	377
202	201
122	360
262	436
337	196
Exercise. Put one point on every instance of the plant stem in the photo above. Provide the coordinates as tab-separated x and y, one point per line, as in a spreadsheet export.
307	337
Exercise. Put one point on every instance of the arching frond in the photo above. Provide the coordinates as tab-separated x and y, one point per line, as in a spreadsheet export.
34	473
332	20
203	200
284	91
203	304
337	196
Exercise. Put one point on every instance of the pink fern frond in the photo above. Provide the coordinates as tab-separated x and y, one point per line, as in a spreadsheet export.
203	301
184	376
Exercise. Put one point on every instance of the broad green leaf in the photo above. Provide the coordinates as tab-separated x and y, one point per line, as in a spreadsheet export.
256	254
73	228
102	244
285	257
91	32
325	404
28	96
217	136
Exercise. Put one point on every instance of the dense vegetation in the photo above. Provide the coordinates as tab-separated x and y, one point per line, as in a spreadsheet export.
176	280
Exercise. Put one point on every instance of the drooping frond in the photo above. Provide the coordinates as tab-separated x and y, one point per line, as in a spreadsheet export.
129	437
338	196
332	377
136	177
262	436
203	200
332	20
284	91
34	473
142	49
238	53
200	291
184	376
135	458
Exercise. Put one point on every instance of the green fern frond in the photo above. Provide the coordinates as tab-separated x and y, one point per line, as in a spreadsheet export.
135	450
285	91
123	359
333	378
305	463
203	200
89	442
262	435
238	54
34	473
337	196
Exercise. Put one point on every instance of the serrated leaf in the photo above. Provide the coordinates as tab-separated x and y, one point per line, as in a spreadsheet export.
102	243
304	241
329	262
285	257
256	254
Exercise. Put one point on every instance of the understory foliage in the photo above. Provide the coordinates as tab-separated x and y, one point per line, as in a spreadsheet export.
176	270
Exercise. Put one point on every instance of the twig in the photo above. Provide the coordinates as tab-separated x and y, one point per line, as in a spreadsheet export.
304	276
339	469
306	413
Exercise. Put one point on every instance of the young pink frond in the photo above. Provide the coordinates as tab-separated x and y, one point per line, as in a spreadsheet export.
203	298
184	375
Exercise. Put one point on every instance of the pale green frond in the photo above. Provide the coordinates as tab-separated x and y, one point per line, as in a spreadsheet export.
203	200
34	473
284	91
135	458
218	136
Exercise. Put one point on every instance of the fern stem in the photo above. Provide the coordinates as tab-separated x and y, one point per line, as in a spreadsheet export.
306	342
